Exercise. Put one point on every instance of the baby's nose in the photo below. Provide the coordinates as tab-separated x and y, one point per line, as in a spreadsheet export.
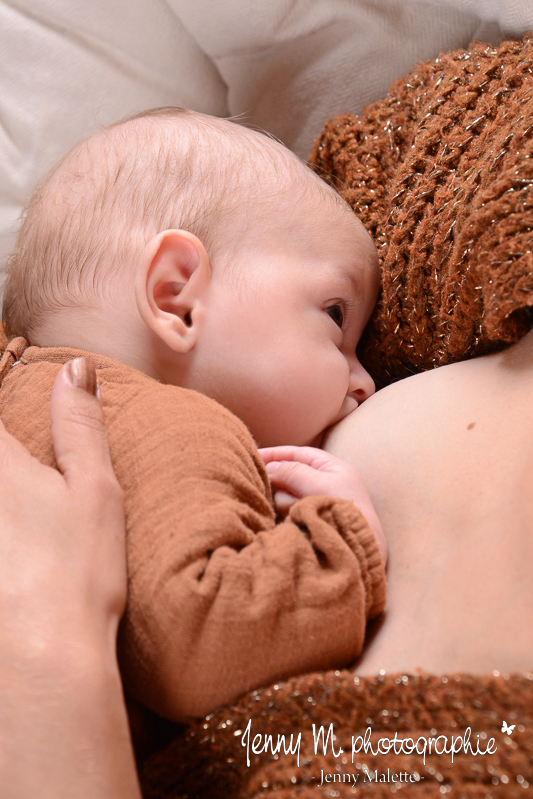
361	385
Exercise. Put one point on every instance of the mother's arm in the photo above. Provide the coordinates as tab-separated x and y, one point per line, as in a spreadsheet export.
63	723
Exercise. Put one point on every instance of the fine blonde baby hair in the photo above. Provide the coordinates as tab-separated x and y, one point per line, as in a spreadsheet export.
94	212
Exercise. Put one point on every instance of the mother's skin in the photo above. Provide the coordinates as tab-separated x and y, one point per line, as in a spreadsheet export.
63	724
447	457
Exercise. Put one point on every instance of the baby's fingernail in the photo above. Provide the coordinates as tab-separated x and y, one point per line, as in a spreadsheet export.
272	466
82	374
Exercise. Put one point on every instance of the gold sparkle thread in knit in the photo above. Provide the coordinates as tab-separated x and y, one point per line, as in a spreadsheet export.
208	761
441	174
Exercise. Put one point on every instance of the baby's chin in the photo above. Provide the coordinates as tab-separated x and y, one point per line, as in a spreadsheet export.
349	406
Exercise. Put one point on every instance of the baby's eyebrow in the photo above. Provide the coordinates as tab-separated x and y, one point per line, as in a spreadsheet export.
350	280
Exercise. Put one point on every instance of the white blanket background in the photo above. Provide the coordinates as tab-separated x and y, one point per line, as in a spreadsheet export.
68	67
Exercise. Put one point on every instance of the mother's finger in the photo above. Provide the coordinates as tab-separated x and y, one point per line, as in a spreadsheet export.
78	431
93	492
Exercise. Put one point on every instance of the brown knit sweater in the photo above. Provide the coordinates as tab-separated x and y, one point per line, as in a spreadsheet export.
221	598
441	173
209	761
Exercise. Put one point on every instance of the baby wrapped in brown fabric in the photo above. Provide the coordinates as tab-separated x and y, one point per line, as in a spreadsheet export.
210	275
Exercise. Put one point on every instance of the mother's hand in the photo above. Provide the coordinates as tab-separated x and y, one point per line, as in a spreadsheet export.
63	723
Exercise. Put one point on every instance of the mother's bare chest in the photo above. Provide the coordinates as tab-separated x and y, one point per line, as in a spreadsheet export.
448	460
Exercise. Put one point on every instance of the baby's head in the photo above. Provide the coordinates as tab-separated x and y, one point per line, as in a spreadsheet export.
208	256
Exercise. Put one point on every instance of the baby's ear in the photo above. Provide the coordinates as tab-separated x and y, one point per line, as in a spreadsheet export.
172	277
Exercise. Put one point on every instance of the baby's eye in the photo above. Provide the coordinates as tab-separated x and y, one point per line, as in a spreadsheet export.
337	314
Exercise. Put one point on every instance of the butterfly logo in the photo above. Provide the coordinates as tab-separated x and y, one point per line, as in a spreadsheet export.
508	728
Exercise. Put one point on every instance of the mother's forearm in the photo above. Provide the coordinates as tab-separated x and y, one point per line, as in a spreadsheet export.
63	724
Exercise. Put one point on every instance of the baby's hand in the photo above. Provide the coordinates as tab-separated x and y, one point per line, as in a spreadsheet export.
298	472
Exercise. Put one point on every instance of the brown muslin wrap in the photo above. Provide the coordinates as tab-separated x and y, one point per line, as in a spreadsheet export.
222	597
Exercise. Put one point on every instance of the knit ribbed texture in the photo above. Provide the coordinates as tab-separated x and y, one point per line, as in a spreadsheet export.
441	173
209	760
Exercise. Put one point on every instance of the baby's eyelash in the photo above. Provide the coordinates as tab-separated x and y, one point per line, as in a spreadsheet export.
336	312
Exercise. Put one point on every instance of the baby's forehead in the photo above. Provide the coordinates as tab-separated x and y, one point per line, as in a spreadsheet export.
260	182
305	199
303	189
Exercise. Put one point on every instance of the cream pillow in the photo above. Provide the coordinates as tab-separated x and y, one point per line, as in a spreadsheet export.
68	67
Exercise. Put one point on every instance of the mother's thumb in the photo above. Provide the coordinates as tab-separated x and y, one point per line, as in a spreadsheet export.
78	432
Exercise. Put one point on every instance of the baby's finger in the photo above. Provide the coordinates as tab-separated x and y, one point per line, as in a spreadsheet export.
283	502
296	479
309	455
